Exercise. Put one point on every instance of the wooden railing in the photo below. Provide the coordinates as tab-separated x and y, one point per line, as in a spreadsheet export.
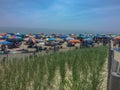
113	69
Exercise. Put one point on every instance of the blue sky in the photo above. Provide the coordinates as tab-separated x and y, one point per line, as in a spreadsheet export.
94	15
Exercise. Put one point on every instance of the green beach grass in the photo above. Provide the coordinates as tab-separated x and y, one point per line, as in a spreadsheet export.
71	70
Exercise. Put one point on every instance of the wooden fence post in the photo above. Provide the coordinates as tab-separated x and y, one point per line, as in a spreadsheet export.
113	72
110	53
114	81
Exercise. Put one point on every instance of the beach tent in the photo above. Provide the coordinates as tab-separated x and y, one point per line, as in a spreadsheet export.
5	42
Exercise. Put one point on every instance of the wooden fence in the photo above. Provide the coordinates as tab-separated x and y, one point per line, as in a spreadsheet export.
113	69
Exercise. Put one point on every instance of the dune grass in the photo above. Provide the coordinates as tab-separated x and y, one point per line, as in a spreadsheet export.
72	70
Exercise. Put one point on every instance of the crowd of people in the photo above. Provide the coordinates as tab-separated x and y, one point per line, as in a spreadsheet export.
47	42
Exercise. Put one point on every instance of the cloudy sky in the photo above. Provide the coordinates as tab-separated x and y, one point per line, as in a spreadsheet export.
94	15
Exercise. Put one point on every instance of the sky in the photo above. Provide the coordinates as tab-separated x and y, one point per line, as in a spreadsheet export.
62	15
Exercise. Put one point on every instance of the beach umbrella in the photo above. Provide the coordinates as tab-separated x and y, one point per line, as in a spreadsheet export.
82	36
2	40
79	37
62	36
88	39
3	37
102	36
96	35
69	38
51	39
5	42
74	41
117	37
26	39
3	34
11	34
113	35
27	35
106	37
14	38
21	35
37	35
32	39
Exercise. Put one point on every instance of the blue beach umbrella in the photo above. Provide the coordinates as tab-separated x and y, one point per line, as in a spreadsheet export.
88	39
82	36
51	39
6	43
5	37
69	38
62	36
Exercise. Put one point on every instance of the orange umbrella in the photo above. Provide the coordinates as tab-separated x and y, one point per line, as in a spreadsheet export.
74	41
2	40
35	40
117	38
2	34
